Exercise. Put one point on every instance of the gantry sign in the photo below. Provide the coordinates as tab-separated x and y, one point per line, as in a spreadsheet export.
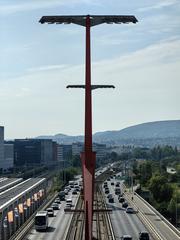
88	157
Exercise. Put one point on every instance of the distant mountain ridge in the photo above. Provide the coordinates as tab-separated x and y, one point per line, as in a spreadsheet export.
165	132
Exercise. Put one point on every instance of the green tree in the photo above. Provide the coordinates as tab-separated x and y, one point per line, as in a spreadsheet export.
161	190
145	171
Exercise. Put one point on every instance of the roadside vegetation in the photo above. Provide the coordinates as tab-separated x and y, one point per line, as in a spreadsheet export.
150	172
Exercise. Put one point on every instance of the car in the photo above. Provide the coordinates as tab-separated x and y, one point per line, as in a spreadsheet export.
112	183
144	235
124	204
120	195
77	188
66	191
106	191
111	200
69	202
67	206
55	206
57	200
109	195
74	192
117	190
61	196
129	210
121	199
108	179
50	212
117	185
126	237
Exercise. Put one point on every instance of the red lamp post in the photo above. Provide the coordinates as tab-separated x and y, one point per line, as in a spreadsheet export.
88	157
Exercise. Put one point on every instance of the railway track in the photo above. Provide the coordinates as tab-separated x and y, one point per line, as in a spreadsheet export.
102	228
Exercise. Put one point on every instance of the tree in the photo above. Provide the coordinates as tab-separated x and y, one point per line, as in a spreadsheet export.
161	190
145	171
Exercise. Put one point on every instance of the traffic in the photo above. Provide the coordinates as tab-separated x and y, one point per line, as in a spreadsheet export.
126	224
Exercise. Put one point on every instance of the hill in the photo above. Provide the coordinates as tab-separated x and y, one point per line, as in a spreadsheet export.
146	134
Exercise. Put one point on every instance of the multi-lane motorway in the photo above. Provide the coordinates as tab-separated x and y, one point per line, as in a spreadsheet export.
143	219
58	225
123	223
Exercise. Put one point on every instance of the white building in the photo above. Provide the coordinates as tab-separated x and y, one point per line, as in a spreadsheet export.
1	147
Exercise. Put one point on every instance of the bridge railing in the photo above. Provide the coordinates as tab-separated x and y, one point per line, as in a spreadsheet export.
159	214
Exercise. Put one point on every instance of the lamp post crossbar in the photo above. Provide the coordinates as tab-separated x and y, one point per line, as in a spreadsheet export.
93	87
94	19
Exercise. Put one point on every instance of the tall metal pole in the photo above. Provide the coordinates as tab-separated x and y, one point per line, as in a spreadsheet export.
88	157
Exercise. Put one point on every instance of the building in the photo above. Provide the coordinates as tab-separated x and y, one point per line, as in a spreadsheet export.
100	149
64	154
32	152
1	147
77	148
8	156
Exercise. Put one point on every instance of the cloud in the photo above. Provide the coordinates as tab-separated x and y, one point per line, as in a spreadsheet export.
147	89
163	52
47	68
6	9
159	5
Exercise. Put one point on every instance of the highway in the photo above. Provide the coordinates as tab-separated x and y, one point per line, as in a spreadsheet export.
58	225
156	223
123	223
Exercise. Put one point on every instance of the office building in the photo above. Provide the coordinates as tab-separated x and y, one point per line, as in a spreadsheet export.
32	152
8	156
1	147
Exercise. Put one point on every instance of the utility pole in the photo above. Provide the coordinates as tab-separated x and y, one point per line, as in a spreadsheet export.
88	157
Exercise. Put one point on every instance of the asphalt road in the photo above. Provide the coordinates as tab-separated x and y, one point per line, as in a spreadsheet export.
58	225
157	223
123	223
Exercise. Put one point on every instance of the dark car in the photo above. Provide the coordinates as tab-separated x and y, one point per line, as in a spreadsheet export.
120	195
74	192
144	236
129	210
124	204
112	183
55	206
106	191
108	179
109	195
121	200
111	200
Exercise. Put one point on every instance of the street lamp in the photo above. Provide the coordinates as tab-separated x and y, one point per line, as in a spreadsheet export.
88	157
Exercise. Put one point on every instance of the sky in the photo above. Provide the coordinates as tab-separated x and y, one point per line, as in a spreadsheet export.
38	61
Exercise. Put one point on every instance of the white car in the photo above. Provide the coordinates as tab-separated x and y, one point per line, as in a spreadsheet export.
126	237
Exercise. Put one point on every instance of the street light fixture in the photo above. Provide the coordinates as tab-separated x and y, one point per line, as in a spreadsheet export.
88	157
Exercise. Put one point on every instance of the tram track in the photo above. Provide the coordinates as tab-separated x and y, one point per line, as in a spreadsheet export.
102	227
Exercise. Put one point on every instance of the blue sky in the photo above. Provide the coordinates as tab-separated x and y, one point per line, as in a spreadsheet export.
37	62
